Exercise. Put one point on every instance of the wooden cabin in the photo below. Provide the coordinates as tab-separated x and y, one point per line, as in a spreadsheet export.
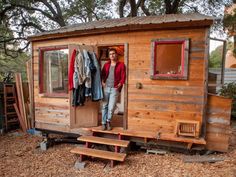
165	97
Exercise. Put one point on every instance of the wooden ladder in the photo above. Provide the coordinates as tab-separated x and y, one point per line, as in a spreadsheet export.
9	110
88	151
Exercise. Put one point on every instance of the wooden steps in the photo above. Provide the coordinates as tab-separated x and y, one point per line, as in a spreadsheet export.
99	153
87	151
106	141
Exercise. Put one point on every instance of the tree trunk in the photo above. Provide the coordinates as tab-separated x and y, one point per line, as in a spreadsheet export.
133	8
172	8
121	8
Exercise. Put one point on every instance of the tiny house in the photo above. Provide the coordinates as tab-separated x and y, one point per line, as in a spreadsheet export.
165	96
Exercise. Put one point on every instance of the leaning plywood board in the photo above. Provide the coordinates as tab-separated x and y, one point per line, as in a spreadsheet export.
20	97
30	85
22	124
218	123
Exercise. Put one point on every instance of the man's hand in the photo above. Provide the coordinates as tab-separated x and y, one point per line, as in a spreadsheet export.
103	84
119	85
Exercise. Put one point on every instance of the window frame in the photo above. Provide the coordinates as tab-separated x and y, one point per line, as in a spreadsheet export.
184	59
41	51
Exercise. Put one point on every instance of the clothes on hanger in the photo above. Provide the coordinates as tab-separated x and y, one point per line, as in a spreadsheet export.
84	77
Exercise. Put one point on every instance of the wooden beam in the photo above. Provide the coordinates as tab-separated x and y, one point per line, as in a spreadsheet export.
99	153
20	97
107	141
22	124
30	85
202	159
125	116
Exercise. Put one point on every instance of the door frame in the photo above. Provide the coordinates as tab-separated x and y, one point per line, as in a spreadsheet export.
126	56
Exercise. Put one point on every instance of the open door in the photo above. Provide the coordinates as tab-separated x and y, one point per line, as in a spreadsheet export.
87	115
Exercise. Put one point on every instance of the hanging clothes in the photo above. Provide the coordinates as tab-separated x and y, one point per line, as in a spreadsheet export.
79	70
86	78
97	93
87	62
79	96
71	70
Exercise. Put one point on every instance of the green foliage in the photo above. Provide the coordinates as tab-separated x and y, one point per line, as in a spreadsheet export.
229	91
216	57
87	10
10	65
230	21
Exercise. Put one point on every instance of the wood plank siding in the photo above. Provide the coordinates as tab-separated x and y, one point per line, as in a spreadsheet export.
218	123
159	103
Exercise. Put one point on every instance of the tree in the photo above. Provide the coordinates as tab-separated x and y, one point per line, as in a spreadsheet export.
215	60
230	24
157	7
27	17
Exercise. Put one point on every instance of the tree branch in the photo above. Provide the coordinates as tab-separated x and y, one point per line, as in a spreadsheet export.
121	7
145	10
175	6
168	6
133	8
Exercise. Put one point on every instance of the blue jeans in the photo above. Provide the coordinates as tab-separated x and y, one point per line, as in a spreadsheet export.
109	103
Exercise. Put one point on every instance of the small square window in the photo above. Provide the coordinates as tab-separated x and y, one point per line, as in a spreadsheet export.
170	59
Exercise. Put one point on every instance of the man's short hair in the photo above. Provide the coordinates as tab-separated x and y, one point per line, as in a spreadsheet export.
112	49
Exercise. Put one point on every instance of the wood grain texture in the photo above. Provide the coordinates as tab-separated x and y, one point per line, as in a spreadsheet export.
106	141
218	123
99	153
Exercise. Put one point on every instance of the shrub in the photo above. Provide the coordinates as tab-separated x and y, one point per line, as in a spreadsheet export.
229	91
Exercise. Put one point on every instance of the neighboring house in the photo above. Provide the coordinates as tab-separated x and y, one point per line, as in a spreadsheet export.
230	60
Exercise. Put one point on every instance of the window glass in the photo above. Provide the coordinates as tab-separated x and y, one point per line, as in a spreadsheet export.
55	71
170	59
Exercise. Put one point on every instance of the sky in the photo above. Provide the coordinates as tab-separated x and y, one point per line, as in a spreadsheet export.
214	44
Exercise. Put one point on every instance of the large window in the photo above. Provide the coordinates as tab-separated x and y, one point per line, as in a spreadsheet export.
170	59
53	69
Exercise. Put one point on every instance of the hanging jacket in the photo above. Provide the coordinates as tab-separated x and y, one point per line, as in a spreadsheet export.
97	93
71	70
86	69
78	98
79	71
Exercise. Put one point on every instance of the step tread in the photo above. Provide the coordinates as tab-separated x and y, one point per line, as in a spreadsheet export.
99	153
100	140
13	121
11	113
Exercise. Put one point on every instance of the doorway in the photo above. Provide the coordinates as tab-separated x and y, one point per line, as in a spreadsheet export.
119	117
90	115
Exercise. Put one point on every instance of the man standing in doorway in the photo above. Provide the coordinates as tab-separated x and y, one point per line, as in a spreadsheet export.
113	79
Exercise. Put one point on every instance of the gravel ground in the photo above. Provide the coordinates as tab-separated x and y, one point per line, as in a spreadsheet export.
20	157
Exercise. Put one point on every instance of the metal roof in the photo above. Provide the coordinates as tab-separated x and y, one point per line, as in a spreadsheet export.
129	21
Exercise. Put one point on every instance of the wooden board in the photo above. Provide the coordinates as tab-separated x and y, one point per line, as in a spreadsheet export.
22	124
99	140
218	123
20	97
148	134
202	159
99	153
30	85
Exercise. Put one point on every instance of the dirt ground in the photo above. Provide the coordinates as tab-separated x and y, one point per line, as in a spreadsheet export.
19	156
